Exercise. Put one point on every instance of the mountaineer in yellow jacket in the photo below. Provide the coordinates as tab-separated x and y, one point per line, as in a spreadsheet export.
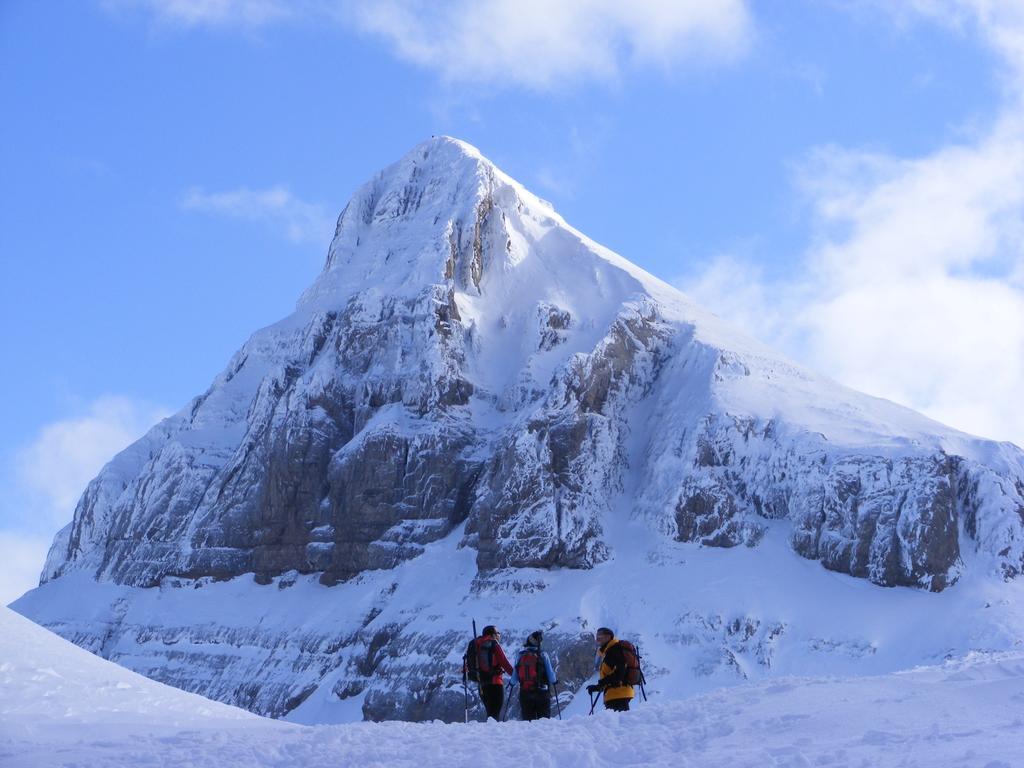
614	672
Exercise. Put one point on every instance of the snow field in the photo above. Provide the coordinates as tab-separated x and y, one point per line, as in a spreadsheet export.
61	706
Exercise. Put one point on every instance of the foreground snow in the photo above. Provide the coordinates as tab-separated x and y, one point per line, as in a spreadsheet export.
705	617
60	705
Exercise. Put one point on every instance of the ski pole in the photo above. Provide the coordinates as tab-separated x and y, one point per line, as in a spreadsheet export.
643	679
558	707
593	700
508	703
465	671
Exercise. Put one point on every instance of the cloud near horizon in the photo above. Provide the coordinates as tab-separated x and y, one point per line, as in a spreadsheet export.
47	476
55	467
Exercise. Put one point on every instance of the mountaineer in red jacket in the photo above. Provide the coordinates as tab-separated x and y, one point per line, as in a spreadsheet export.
485	662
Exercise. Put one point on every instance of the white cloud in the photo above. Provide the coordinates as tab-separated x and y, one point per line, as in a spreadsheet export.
23	556
541	44
276	207
1000	22
53	470
44	479
913	289
738	289
211	13
536	43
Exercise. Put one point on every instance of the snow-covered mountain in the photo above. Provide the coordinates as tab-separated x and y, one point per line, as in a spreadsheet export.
477	411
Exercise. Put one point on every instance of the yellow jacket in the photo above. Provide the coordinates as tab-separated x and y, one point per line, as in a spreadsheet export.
618	661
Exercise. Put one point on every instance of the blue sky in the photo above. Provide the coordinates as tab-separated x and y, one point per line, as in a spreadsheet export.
843	179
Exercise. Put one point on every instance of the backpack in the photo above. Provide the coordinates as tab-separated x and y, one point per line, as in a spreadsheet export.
632	658
530	670
479	659
469	662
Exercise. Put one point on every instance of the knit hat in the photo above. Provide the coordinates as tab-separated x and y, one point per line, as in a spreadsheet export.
490	629
535	638
604	631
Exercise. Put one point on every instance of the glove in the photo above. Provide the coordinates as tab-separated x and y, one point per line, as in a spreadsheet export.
592	689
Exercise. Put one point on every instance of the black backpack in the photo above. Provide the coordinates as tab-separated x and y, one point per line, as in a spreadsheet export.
479	659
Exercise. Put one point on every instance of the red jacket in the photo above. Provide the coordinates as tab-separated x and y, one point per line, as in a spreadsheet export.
499	662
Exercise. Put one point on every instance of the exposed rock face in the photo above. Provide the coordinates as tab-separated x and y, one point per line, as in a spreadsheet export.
558	475
311	484
893	521
470	372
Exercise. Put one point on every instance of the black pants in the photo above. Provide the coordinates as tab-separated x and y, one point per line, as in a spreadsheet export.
617	705
535	704
493	697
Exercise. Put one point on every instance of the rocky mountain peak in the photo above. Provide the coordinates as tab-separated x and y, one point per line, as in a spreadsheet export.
421	221
471	381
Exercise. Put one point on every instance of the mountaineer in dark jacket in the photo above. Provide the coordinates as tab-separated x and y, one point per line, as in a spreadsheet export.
612	672
536	677
490	662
